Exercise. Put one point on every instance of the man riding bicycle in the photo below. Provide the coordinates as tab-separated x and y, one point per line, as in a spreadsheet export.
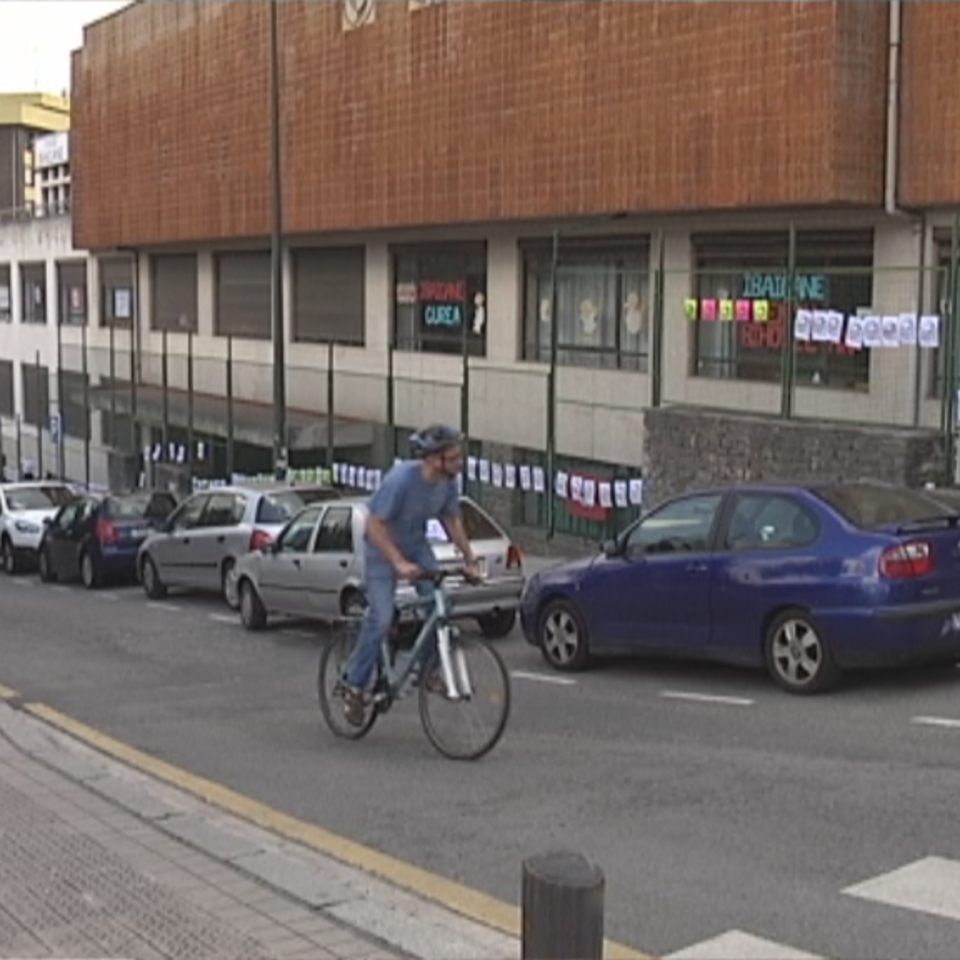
396	546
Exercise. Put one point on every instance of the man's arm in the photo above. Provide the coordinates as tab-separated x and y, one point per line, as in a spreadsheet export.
454	527
377	533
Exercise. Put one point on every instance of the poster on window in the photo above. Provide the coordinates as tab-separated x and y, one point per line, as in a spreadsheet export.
122	304
446	307
77	301
4	299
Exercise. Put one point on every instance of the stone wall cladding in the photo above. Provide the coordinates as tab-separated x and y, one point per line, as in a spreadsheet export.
688	448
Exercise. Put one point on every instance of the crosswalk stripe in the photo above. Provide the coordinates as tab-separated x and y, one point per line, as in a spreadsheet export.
738	945
930	885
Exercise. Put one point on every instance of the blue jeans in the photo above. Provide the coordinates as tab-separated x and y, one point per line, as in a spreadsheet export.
381	592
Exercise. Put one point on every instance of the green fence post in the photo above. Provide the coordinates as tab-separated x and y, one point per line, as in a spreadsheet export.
788	354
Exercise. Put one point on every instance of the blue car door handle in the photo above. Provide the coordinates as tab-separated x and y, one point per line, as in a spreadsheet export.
697	568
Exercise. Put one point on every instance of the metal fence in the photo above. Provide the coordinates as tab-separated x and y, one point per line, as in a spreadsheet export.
832	343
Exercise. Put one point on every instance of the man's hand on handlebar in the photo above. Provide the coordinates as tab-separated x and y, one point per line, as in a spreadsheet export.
472	572
408	571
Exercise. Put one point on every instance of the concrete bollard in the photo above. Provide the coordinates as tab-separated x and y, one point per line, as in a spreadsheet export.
562	908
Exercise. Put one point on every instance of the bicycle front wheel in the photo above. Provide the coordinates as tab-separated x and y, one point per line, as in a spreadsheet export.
330	689
469	726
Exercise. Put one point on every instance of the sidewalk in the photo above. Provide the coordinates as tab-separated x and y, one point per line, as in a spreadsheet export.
99	860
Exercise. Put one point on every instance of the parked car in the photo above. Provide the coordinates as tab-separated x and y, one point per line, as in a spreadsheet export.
808	580
314	569
23	509
97	536
200	544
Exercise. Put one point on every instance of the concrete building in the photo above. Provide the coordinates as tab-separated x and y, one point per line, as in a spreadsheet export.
23	118
687	156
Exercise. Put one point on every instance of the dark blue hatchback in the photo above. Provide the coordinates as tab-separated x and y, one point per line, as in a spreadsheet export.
96	537
806	580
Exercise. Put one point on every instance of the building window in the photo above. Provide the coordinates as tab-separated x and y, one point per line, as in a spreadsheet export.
36	394
76	414
243	294
834	271
6	294
603	302
440	298
116	293
33	287
328	295
175	292
7	405
72	293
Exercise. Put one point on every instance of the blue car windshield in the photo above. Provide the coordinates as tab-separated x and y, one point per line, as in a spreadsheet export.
869	506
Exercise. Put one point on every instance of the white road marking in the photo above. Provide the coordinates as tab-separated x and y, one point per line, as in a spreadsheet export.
543	678
936	722
62	589
737	945
705	698
20	582
224	618
300	633
108	596
930	885
167	607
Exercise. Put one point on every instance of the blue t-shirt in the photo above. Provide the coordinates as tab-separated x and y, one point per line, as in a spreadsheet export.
405	502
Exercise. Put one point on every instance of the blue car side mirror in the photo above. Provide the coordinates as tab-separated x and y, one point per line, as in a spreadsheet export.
611	549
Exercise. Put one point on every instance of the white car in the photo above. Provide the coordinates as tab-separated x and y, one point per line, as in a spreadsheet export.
24	508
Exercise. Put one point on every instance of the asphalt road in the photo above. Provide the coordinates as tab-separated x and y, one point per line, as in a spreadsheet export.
712	801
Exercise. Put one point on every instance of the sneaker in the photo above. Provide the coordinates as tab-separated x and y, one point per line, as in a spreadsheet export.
354	708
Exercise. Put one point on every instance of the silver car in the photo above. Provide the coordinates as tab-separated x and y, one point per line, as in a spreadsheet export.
202	541
314	569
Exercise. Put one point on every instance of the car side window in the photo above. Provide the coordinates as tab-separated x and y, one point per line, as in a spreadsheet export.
188	515
223	510
69	515
684	525
296	538
336	531
762	521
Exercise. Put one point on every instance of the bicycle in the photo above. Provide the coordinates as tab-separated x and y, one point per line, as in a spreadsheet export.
448	680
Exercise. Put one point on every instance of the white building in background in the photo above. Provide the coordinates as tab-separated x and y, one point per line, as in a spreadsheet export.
51	173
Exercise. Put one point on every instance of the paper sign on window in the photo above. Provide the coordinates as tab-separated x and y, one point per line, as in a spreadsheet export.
525	478
620	493
929	334
539	480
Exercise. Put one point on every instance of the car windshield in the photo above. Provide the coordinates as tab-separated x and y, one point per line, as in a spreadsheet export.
476	524
140	505
868	506
279	507
37	498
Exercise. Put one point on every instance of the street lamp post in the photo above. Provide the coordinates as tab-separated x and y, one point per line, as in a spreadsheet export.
276	261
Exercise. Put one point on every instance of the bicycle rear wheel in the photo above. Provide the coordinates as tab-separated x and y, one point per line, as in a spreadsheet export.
330	688
468	727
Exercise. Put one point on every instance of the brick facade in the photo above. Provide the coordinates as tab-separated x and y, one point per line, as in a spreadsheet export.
930	118
472	110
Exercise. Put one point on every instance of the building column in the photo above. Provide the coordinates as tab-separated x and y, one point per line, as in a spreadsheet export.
206	294
504	309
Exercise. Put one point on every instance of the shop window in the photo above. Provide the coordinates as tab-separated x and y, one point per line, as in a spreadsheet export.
72	293
748	272
6	294
174	292
33	293
76	414
243	294
328	295
7	408
603	302
116	292
36	394
440	298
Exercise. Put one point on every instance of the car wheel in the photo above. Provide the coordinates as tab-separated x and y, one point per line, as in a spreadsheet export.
797	655
497	625
229	585
563	637
252	611
45	568
9	557
152	584
89	574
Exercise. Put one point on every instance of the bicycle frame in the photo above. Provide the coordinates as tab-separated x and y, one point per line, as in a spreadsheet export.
453	666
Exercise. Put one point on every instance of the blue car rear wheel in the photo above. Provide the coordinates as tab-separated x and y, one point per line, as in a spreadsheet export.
798	657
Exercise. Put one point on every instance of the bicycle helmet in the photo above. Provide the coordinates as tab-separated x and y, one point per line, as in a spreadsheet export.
434	439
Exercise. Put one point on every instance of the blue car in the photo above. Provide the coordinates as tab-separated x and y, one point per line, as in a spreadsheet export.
96	536
805	580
